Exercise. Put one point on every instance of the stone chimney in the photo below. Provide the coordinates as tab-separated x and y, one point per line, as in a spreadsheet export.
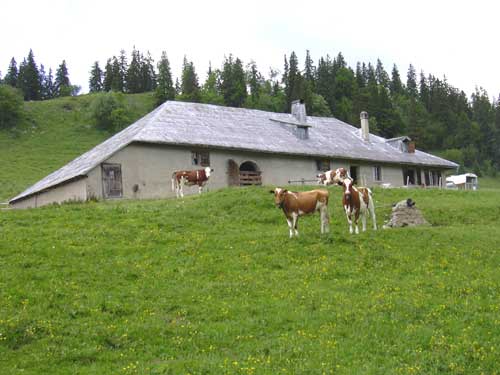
365	128
299	111
411	147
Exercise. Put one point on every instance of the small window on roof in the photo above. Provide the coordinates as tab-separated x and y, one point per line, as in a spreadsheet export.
302	132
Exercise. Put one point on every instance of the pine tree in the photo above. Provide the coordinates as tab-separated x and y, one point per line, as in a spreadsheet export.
294	84
424	93
133	78
29	78
396	87
190	88
309	71
45	91
12	74
122	70
325	81
95	81
381	74
411	82
165	89
210	93
177	87
360	78
49	86
233	82
108	76
62	84
117	76
148	75
254	79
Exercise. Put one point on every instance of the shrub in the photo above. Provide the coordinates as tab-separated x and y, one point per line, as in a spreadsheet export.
109	112
11	106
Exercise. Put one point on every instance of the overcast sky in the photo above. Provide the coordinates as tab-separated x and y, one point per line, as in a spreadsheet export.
458	39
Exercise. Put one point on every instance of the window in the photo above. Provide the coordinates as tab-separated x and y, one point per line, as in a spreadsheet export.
302	132
323	165
112	180
200	158
377	173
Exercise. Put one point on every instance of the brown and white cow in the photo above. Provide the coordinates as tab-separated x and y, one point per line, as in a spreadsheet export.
295	204
197	177
333	177
357	201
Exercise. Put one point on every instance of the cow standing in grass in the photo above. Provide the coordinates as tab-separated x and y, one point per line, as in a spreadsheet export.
357	201
198	177
295	204
332	177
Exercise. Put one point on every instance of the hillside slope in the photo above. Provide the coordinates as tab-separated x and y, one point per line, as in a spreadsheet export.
212	285
55	132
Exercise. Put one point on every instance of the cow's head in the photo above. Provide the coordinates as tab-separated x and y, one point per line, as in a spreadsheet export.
208	170
347	185
340	175
279	196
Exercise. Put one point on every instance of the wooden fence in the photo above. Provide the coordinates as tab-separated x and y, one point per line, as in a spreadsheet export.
250	178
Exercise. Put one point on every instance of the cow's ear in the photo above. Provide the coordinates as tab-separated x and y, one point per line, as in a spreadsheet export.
271	191
285	191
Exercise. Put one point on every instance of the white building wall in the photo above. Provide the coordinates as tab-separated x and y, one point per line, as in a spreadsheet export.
150	167
71	191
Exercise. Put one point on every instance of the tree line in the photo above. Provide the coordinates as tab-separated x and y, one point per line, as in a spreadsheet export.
438	116
35	83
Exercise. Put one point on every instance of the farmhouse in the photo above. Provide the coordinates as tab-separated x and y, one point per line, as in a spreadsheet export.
243	147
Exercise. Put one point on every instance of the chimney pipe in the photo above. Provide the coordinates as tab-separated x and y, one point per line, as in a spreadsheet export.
365	127
299	111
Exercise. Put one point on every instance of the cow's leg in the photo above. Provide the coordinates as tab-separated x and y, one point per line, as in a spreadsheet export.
356	218
325	220
363	221
290	226
181	187
348	215
295	219
177	187
372	212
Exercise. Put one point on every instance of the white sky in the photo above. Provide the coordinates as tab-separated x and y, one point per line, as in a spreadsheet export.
456	38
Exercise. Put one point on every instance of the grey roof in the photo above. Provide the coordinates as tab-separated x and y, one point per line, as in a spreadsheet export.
214	126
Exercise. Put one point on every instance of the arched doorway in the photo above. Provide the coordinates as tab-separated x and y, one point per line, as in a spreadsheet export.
250	174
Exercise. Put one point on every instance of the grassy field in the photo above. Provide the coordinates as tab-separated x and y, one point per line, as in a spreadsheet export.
213	285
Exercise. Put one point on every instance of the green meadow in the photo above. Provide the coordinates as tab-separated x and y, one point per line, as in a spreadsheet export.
212	284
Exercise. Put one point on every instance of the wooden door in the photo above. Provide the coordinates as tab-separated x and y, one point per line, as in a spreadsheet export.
112	180
233	173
